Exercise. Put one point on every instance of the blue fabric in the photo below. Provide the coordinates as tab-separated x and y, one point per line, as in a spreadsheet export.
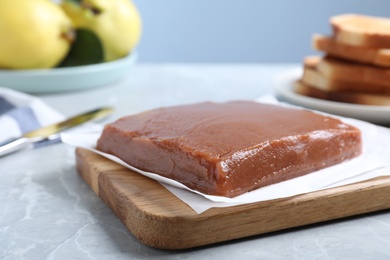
25	118
5	106
19	109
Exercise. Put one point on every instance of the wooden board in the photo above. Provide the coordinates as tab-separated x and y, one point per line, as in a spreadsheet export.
159	219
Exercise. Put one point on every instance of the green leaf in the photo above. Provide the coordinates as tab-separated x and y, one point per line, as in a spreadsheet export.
74	1
86	49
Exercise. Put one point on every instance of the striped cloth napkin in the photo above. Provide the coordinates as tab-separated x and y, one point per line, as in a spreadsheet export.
21	113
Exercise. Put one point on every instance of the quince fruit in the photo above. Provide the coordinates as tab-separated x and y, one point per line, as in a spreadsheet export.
34	34
116	23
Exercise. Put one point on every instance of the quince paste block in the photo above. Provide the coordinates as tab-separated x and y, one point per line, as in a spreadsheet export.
230	148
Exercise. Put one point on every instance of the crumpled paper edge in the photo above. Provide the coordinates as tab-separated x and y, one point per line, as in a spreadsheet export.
370	165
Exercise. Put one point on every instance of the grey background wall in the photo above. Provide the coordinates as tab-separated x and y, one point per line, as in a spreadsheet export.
227	31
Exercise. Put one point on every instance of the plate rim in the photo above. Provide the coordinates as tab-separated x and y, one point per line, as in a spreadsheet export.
130	58
283	88
54	80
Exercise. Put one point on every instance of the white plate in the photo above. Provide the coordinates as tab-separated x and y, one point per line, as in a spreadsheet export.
283	87
68	78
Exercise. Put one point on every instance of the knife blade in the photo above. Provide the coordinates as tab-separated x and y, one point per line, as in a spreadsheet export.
51	132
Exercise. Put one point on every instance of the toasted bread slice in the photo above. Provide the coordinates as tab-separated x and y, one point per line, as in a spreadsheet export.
345	97
361	30
351	71
311	76
311	62
374	56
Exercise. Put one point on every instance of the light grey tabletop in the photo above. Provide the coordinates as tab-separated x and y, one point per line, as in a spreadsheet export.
48	212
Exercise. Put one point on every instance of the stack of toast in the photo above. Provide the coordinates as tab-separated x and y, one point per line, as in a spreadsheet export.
355	67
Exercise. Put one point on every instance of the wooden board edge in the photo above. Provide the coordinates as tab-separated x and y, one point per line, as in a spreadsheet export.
223	224
84	168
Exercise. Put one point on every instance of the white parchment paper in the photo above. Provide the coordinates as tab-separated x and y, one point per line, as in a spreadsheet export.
374	162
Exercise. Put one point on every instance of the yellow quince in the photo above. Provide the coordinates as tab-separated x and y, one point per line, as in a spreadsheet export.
117	23
33	33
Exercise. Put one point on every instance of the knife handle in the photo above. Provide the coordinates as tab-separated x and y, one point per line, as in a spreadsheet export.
13	145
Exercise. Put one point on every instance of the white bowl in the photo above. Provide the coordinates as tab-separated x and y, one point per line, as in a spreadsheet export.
67	78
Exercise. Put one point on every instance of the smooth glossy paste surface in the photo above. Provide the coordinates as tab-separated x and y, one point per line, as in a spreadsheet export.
230	148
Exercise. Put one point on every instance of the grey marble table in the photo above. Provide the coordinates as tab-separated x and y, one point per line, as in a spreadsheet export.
48	212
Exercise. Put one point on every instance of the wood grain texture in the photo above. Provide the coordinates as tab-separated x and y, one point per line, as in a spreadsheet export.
159	219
